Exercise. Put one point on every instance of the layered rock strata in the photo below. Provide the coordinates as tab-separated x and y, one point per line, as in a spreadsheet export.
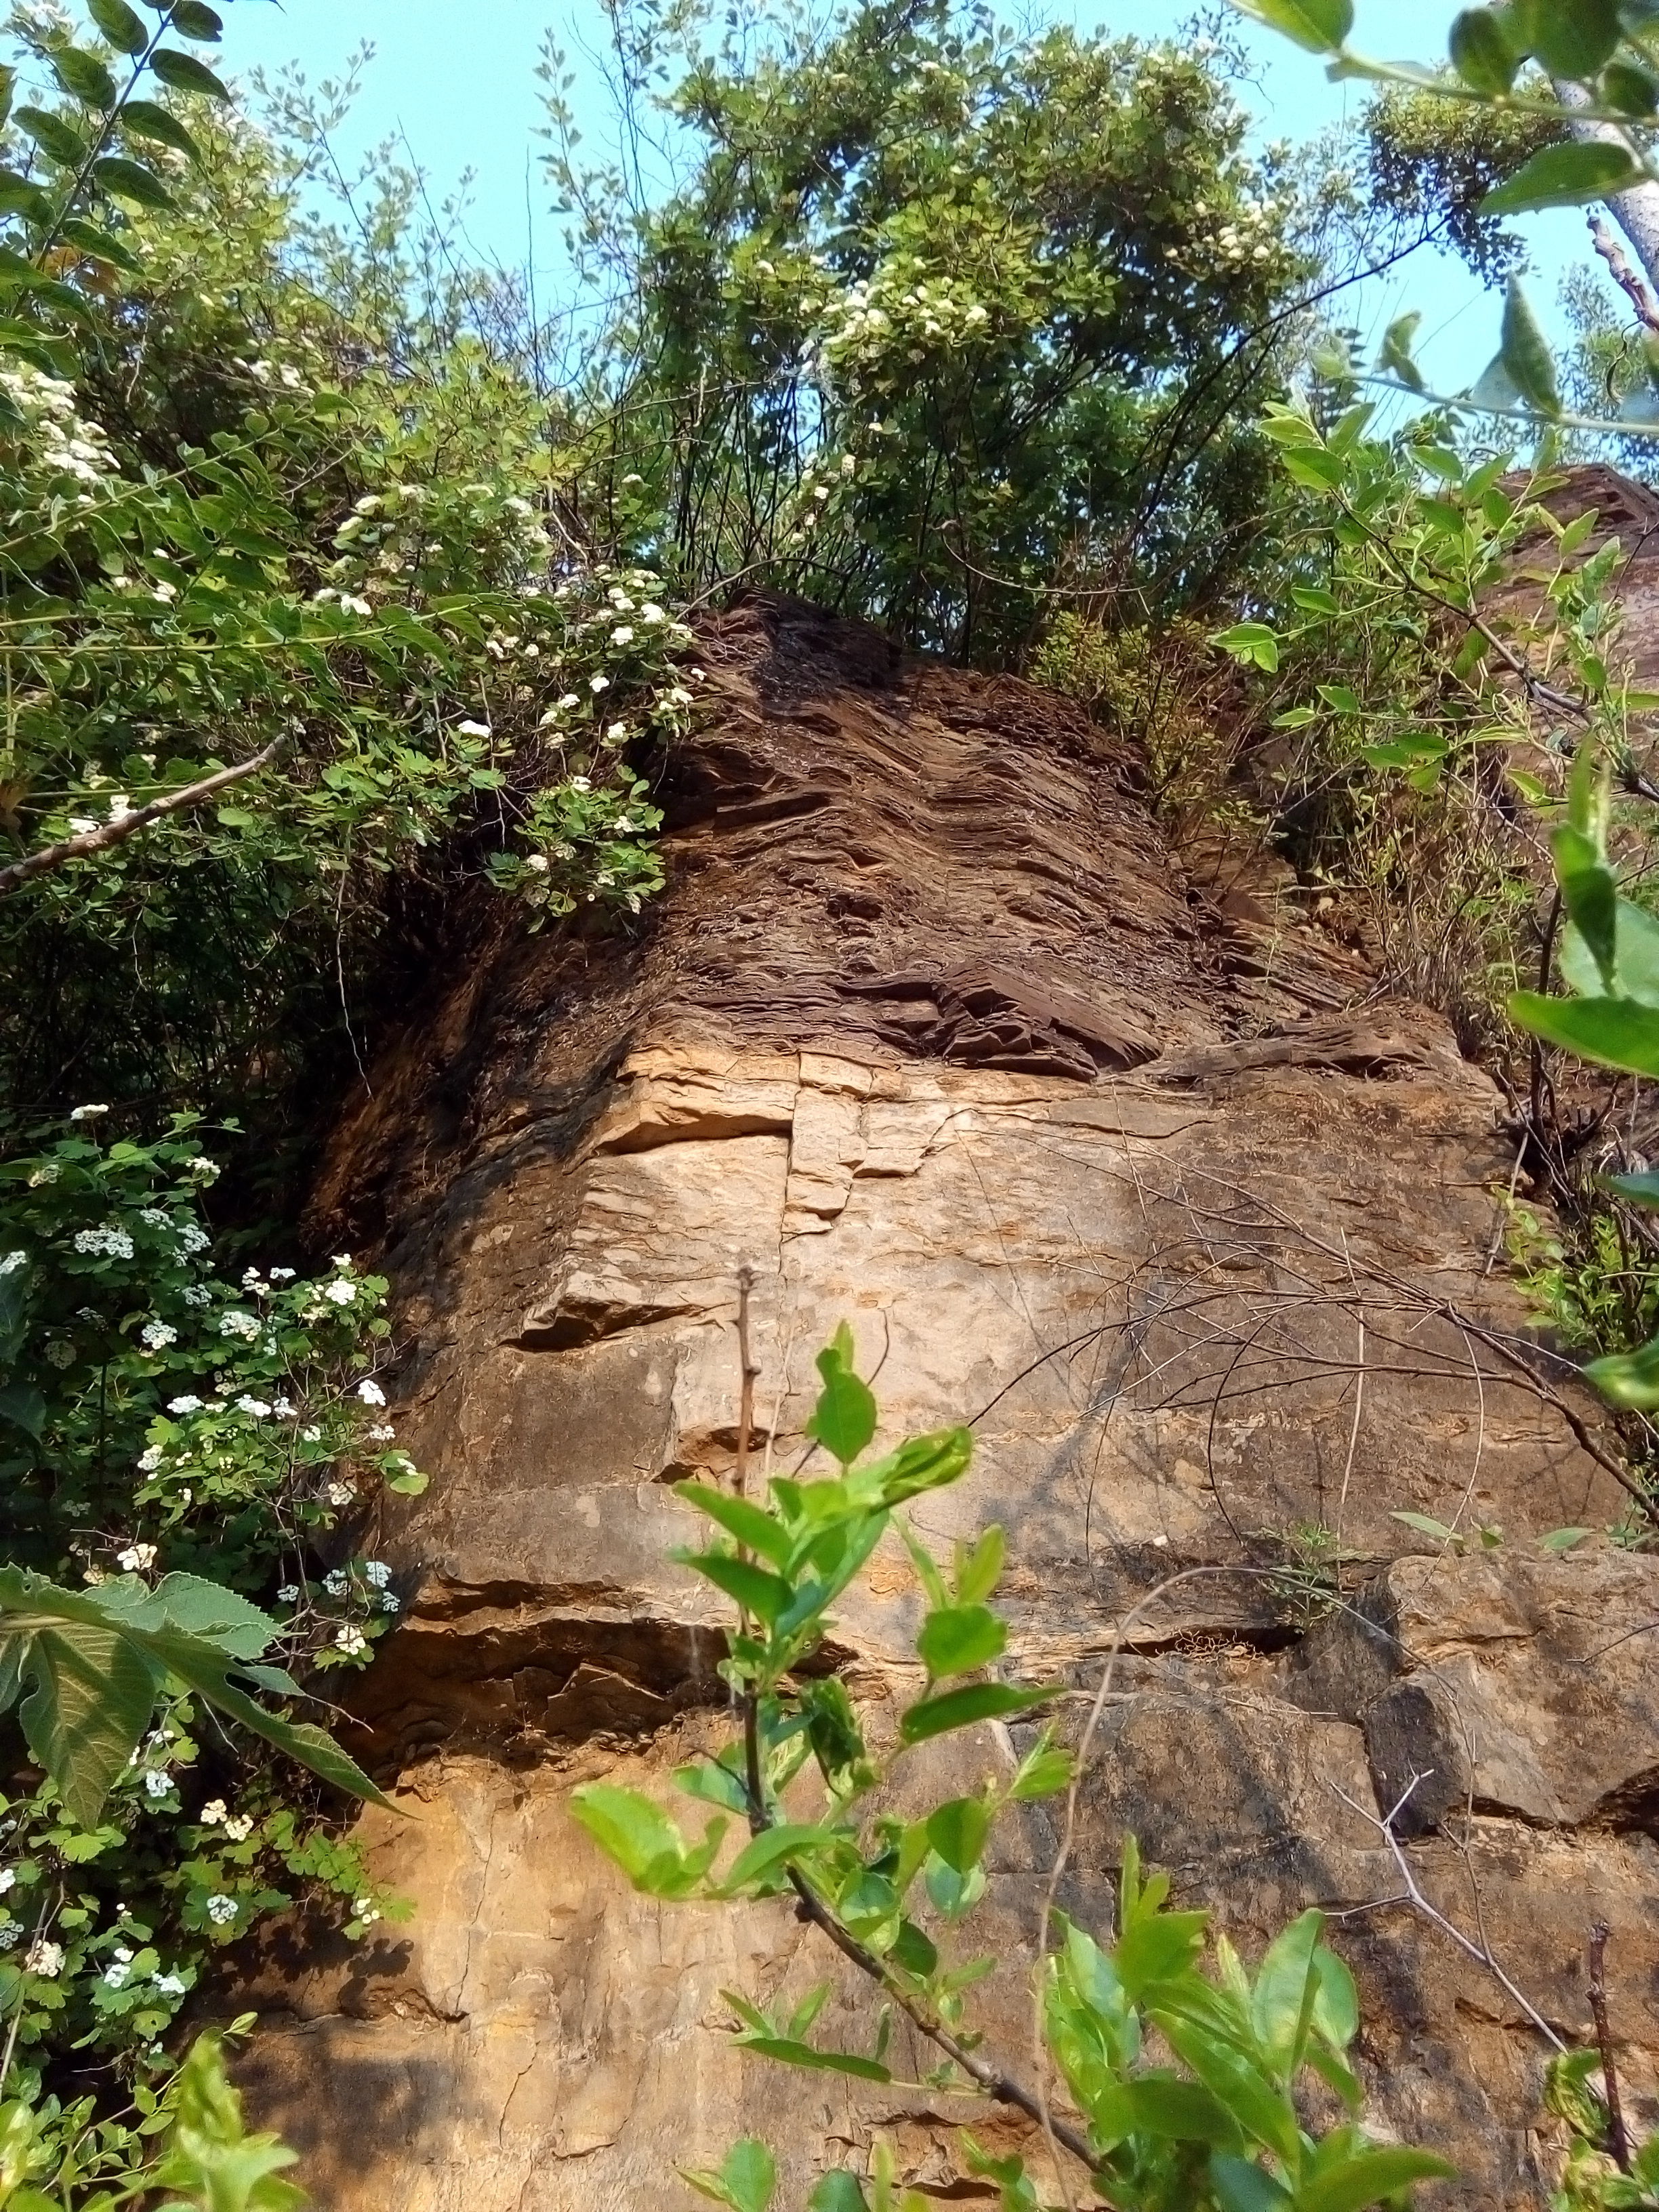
931	1033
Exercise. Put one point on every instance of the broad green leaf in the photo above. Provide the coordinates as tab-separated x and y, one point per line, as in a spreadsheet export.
635	1832
1262	2110
978	1572
957	1830
193	19
183	73
147	119
1573	37
1252	642
409	1485
1628	1378
1424	1524
1336	2003
1633	90
222	1617
1394	356
832	1728
1563	176
1370	2176
1186	2111
56	139
1241	2185
764	1594
957	1639
975	1701
714	1782
117	22
92	1692
915	1951
129	180
922	1464
746	2178
1617	1032
99	244
1480	51
770	1850
751	1524
826	2062
23	1408
953	1894
1045	1769
1637	1190
84	77
844	1419
1321	26
1286	1987
839	2191
1526	355
1564	1540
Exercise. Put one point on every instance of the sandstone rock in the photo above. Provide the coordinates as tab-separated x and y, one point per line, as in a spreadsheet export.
932	1034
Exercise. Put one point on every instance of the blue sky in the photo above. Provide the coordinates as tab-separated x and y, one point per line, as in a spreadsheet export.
458	84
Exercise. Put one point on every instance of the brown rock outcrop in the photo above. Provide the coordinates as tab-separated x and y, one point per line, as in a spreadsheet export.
931	1033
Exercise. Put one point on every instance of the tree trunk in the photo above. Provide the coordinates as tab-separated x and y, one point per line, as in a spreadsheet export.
1637	211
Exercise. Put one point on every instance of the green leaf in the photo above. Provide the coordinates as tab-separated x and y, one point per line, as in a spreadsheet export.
92	1694
1637	1190
922	1464
1564	1540
1628	1378
1525	354
957	1830
769	1850
84	77
129	180
1286	1985
1424	1524
1480	54
978	1572
957	1639
100	245
1251	642
751	1524
765	1595
1588	888
183	73
56	139
1395	355
23	1408
1336	2003
1044	1770
639	1835
1563	176
975	1701
747	2177
1241	2185
844	1419
1369	2177
839	2191
117	22
409	1485
147	119
1616	1032
825	2061
1321	26
1573	37
191	19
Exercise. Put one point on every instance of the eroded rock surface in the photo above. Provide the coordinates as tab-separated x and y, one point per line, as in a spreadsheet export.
931	1033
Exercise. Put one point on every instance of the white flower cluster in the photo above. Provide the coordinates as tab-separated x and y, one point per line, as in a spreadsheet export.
237	1323
137	1559
108	1243
156	1336
52	442
12	1263
898	311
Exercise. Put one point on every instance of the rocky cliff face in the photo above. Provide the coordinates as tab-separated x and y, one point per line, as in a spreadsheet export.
934	1032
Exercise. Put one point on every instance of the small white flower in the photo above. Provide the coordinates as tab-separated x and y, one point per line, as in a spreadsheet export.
221	1911
61	1352
339	1493
240	1827
150	1458
203	1169
257	1408
49	1173
156	1784
115	1975
187	1404
334	1582
376	1573
82	825
310	1436
473	729
351	604
340	1293
167	1985
582	783
352	1641
599	683
212	1813
371	1393
622	634
566	705
236	1323
288	1594
281	1274
83	1114
538	864
124	1954
652	613
156	1336
8	1879
382	1432
137	1559
12	1263
283	1409
44	1959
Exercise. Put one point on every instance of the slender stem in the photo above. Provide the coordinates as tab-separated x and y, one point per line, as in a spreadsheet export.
750	1375
123	826
1618	2140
